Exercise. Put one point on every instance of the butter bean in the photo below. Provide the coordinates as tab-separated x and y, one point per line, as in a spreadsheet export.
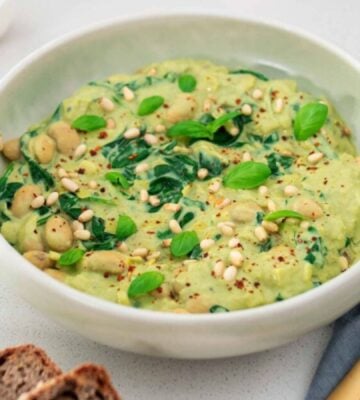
66	138
44	148
183	107
23	198
244	211
30	235
109	261
58	233
11	149
308	207
39	258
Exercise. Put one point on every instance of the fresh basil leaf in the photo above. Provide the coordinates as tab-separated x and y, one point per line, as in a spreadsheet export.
309	119
217	309
192	129
222	120
149	105
247	175
273	216
89	123
71	257
258	75
183	243
187	83
116	178
145	283
125	227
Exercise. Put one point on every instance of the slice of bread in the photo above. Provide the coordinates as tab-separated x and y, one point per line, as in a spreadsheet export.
87	382
22	368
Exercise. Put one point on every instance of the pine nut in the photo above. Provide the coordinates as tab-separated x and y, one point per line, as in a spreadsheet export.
236	258
304	225
129	95
206	244
224	203
144	196
315	157
234	131
38	202
150	139
227	223
140	252
86	216
73	174
154	201
123	247
219	268
152	72
261	233
202	173
257	94
70	185
263	191
270	227
230	273
160	128
233	242
106	104
246	156
344	262
173	207
62	173
278	105
271	205
92	185
140	168
154	256
174	226
246	109
77	226
226	230
214	187
80	150
82	234
291	190
110	124
166	243
132	133
52	198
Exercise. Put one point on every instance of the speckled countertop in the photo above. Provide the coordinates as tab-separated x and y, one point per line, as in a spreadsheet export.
281	374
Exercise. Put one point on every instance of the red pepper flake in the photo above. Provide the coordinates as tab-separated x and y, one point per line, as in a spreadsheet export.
150	232
281	259
103	135
119	278
238	101
131	268
239	284
93	152
166	105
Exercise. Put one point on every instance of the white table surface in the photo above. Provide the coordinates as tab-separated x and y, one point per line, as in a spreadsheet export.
281	374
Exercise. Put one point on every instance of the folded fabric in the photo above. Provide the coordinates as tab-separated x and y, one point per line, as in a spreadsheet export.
342	352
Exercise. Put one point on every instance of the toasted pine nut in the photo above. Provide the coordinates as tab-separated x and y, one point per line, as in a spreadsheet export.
214	187
38	202
132	133
291	190
227	223
129	95
226	230
173	207
304	224
140	168
166	243
230	273
278	105
315	157
261	233
144	195
106	104
344	262
263	190
70	185
246	109
257	94
80	150
77	226
86	216
233	242
219	268
174	226
110	124
224	203
82	234
154	201
140	252
234	131
92	185
123	247
271	205
270	227
52	198
207	243
246	156
202	173
236	258
160	128
150	139
73	174
62	173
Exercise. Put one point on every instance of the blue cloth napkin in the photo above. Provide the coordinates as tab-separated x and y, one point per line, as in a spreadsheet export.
340	355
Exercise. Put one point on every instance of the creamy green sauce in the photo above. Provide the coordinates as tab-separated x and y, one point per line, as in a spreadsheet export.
299	256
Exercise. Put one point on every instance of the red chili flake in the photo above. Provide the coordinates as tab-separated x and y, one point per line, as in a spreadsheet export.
119	278
103	135
238	101
159	289
281	259
93	152
166	105
131	268
150	232
106	274
239	284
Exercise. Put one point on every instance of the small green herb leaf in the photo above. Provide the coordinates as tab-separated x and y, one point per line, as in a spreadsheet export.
257	74
71	257
247	175
273	216
215	309
193	129
125	227
150	104
116	178
187	83
145	283
89	123
222	120
309	119
183	243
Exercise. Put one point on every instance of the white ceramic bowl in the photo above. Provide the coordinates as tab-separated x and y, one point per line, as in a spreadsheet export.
6	14
33	89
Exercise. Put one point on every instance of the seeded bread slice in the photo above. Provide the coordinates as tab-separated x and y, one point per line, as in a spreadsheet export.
87	382
22	368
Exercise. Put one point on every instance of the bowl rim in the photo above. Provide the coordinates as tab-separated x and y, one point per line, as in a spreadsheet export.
151	316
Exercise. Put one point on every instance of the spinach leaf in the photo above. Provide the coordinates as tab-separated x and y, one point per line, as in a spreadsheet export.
215	309
265	246
193	203
196	253
57	114
102	240
276	162
69	205
212	164
258	75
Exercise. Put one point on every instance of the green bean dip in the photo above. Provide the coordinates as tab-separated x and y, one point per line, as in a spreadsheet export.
186	187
